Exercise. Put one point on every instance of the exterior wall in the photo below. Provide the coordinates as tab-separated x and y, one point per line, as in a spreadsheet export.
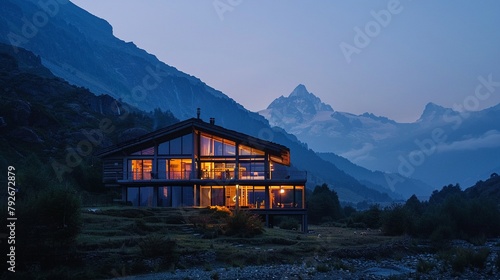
113	169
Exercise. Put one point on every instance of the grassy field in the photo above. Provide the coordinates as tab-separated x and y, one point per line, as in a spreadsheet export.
118	241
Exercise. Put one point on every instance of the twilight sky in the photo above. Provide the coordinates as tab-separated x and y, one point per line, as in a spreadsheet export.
385	57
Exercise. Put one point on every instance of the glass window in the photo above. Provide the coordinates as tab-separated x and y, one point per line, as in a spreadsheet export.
205	196
175	146
140	169
252	170
176	196
299	197
274	192
217	196
187	144
258	196
247	151
218	170
218	147
187	196
164	196
229	148
133	196
207	170
180	169
164	148
147	152
285	197
206	146
256	152
146	195
162	169
175	169
244	193
213	146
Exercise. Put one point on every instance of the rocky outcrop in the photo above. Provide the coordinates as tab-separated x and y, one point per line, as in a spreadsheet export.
21	111
25	134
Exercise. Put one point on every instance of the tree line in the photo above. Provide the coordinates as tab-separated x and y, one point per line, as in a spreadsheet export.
450	213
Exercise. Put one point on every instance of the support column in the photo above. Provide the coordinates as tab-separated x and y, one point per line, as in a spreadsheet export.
155	196
124	194
304	223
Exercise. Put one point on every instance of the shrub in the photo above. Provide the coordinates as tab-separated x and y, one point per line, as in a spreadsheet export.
244	224
49	222
322	268
323	205
442	233
220	211
289	223
215	276
461	260
425	266
158	246
478	259
395	221
498	261
464	258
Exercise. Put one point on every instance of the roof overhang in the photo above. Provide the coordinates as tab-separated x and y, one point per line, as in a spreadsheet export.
278	153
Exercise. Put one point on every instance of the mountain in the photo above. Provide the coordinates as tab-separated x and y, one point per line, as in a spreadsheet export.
81	49
397	186
443	146
45	119
486	189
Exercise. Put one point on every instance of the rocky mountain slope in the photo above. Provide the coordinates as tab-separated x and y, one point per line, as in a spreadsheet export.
44	117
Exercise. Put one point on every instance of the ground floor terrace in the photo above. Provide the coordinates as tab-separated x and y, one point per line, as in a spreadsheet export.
268	201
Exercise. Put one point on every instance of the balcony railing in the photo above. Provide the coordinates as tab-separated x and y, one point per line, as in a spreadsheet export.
206	175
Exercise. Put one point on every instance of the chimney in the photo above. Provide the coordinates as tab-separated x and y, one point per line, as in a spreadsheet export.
198	111
212	120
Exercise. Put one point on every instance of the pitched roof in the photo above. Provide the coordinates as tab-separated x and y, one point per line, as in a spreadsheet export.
187	126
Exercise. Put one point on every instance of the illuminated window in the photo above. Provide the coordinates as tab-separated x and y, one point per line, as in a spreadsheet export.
140	169
282	197
180	169
214	146
247	151
205	196
258	197
299	197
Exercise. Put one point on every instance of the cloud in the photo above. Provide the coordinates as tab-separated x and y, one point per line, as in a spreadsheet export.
490	139
359	155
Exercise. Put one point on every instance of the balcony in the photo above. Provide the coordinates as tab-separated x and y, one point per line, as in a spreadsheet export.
222	176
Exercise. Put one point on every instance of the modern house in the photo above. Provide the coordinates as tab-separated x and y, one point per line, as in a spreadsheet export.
198	164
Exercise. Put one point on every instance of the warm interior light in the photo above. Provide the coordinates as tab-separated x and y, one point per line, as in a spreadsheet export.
282	190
